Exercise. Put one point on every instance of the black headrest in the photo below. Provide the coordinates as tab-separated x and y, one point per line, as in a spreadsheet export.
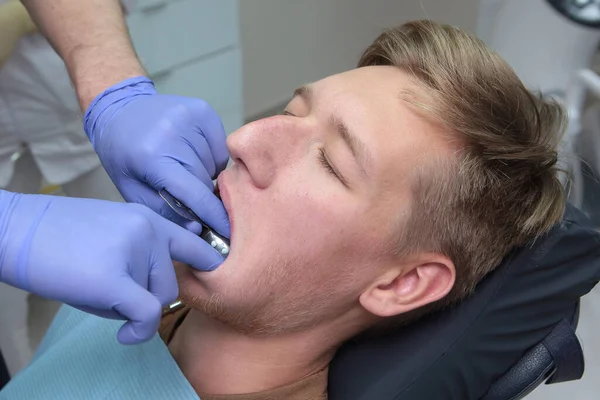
460	352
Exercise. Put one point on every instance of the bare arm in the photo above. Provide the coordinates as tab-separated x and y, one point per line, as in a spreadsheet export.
92	38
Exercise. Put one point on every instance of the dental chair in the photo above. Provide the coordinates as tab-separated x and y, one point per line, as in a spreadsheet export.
515	332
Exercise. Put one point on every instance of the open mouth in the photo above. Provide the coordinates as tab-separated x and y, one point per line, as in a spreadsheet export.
217	191
226	200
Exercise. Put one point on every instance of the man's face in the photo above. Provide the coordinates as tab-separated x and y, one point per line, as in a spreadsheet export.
314	196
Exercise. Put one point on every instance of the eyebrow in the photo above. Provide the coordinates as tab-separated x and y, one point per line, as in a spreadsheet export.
304	91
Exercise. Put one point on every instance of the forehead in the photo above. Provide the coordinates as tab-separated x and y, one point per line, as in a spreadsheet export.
387	81
371	101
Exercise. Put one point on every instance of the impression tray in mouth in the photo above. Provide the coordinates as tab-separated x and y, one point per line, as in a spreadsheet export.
218	242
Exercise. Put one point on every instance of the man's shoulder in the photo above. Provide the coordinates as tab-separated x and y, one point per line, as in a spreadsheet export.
68	322
80	356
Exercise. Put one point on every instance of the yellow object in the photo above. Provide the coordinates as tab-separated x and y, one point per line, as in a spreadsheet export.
51	189
14	23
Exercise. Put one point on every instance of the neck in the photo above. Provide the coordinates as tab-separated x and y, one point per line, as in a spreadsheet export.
218	360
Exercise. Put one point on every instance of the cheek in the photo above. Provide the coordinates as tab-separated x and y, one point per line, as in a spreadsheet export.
314	230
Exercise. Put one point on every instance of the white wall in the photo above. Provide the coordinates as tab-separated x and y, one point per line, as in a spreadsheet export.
286	43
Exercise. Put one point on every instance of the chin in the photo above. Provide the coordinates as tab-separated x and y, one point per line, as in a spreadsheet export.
196	288
195	294
190	286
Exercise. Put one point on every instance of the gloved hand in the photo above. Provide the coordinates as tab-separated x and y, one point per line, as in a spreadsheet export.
14	23
109	259
148	142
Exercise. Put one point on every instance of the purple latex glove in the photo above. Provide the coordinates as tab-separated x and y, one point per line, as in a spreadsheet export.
148	142
109	259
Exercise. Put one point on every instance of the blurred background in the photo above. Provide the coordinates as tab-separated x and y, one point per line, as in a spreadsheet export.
245	58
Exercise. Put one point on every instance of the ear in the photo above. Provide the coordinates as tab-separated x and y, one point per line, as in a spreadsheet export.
401	289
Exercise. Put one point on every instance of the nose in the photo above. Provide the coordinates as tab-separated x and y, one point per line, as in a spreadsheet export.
266	146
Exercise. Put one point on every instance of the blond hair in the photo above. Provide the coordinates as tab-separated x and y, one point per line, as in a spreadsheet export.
501	190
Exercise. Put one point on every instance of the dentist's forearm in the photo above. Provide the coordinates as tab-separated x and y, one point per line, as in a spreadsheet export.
92	38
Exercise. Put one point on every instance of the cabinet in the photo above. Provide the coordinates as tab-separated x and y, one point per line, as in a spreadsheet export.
192	48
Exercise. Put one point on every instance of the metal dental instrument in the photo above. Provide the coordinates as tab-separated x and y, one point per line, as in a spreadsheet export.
218	242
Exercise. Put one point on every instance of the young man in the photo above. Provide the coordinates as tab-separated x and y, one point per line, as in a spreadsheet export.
380	194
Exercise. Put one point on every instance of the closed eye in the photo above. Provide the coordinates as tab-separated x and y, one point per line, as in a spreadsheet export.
325	163
330	168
